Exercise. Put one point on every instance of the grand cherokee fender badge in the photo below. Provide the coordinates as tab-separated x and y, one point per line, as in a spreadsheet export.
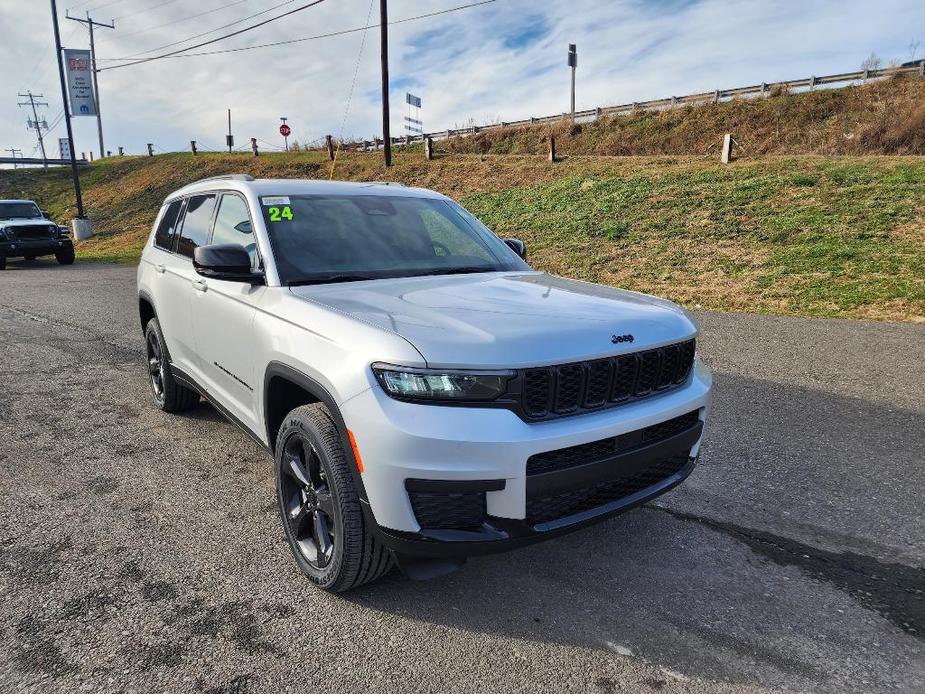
618	339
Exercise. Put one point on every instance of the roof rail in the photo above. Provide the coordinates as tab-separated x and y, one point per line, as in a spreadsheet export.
386	183
228	177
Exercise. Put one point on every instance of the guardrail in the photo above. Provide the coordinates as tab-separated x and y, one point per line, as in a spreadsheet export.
50	162
715	96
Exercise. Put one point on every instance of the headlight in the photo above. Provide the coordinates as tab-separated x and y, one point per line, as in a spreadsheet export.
441	384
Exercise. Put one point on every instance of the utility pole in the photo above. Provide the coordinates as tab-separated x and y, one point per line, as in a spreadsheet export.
35	123
96	86
573	63
67	110
229	138
384	29
13	152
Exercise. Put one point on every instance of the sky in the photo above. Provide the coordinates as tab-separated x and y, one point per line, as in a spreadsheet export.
500	61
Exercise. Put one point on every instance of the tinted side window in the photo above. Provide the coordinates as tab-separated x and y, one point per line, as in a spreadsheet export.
196	224
163	237
233	225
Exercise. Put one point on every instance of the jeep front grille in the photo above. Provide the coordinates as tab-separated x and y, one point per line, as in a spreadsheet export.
571	388
35	231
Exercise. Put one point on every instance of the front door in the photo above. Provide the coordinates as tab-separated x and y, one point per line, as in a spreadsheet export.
223	317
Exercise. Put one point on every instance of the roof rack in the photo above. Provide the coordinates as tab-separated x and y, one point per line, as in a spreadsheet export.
228	177
386	183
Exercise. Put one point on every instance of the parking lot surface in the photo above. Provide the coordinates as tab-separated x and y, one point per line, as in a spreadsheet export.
141	551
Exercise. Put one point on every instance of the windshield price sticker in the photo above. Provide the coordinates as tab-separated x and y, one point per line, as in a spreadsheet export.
275	201
278	214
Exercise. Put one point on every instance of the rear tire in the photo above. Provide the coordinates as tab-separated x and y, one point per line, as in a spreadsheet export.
327	532
65	256
169	394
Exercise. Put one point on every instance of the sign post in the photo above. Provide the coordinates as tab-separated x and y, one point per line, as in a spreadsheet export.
80	224
285	131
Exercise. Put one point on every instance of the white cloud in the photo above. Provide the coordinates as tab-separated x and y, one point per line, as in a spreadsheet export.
504	60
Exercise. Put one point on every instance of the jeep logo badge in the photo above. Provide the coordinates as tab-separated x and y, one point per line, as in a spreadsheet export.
617	339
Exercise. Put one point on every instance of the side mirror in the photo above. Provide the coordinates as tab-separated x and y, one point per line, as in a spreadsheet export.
46	214
225	261
518	246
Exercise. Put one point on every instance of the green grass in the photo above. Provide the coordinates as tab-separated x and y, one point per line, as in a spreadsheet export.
801	235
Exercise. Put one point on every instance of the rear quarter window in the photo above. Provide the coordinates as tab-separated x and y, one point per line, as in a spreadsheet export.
163	237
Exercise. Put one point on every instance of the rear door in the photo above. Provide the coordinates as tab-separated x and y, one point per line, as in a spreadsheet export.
182	284
223	317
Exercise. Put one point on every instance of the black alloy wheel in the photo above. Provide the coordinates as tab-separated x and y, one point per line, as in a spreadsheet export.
155	365
309	507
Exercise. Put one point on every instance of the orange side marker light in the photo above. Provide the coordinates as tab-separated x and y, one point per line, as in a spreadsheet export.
356	451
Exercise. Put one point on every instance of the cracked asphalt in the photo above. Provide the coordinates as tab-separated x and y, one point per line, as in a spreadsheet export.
141	551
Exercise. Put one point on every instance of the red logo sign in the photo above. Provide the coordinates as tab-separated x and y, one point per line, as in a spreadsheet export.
285	130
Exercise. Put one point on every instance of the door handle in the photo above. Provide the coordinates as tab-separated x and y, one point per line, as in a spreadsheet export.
200	285
160	269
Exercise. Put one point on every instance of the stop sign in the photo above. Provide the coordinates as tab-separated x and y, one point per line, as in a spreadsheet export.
285	130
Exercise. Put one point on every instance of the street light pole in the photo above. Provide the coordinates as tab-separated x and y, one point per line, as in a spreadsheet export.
67	111
384	38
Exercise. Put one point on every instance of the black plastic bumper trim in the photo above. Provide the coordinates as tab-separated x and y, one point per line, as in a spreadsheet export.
614	467
503	534
454	486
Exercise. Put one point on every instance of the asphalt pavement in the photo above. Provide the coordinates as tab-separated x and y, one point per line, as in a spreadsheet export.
141	551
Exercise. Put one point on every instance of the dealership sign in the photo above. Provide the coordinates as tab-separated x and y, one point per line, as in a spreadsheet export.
79	82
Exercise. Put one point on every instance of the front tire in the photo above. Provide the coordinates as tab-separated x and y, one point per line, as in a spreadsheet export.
320	509
169	394
2	262
65	256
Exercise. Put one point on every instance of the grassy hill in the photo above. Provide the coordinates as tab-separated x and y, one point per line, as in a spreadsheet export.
881	117
808	235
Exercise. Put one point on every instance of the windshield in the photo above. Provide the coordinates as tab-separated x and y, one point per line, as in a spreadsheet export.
318	238
19	210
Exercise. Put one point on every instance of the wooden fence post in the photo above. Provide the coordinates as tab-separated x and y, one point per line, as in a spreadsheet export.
150	150
329	143
121	152
108	152
552	149
726	155
428	147
254	146
91	155
192	146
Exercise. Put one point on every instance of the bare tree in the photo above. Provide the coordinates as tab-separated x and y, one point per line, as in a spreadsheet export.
914	49
872	62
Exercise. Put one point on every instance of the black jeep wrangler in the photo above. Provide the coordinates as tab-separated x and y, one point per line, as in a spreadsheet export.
27	232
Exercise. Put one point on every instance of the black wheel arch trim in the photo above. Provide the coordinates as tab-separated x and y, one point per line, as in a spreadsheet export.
320	393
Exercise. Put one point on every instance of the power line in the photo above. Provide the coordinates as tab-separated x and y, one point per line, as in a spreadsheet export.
220	38
146	9
317	36
177	21
353	83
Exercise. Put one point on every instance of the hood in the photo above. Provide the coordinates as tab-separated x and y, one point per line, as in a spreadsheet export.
507	320
38	221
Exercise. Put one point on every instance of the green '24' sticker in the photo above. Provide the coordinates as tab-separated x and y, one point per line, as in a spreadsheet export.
278	214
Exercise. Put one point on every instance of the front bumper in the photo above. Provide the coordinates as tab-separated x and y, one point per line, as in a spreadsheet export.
410	447
23	247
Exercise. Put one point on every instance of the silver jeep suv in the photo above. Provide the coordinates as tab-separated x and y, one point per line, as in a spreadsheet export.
425	394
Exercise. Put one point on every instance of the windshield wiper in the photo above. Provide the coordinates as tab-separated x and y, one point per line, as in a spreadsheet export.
330	279
464	270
